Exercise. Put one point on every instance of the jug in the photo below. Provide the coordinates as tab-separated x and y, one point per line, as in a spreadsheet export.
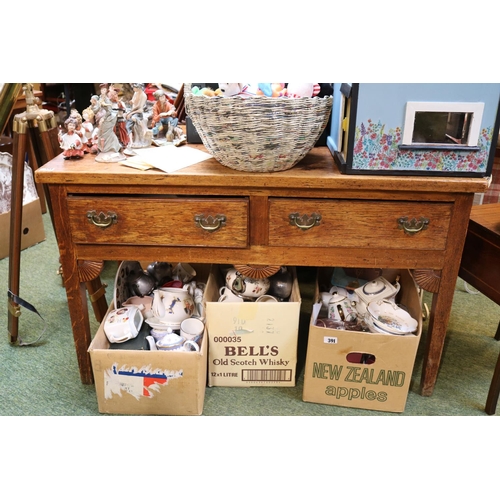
172	305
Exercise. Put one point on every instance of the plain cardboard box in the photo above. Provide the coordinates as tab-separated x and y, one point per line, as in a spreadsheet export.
252	343
143	382
329	378
32	227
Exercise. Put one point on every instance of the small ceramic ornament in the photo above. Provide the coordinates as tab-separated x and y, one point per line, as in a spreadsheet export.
71	142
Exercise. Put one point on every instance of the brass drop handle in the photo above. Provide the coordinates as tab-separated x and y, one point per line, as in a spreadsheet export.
305	222
210	223
102	220
413	226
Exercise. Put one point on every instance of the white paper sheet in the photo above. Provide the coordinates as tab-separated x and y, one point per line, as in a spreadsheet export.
171	158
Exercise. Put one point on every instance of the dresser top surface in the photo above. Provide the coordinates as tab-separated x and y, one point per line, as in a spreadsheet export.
316	171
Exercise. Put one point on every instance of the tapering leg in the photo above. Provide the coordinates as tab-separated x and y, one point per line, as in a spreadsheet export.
16	214
492	400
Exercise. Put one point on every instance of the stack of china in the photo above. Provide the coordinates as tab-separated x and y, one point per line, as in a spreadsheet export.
239	288
188	339
384	316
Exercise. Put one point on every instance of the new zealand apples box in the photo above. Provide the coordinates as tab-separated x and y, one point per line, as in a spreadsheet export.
359	369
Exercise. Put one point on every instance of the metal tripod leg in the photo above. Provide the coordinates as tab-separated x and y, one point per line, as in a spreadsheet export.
35	133
16	213
31	128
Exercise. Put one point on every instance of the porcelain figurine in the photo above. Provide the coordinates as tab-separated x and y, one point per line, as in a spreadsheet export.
88	128
108	145
164	115
134	118
71	142
119	107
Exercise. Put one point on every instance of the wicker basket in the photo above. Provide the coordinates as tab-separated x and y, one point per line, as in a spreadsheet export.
258	134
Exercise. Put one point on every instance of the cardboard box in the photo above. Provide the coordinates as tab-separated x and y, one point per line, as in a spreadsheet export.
32	228
330	378
252	343
143	382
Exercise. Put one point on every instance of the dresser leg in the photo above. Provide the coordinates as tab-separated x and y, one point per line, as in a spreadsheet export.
436	334
494	391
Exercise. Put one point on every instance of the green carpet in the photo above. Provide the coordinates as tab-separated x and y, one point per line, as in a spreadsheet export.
43	379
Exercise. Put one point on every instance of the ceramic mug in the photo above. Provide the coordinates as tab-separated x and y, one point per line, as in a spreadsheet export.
226	295
192	329
123	324
266	298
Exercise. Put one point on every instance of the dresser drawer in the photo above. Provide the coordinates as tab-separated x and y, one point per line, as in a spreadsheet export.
163	221
358	223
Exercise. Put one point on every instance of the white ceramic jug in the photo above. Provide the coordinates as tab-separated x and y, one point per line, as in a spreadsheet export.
172	305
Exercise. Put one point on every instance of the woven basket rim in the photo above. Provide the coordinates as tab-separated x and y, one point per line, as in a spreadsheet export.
187	90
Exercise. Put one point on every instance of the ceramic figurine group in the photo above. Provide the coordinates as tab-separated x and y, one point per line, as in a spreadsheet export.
112	127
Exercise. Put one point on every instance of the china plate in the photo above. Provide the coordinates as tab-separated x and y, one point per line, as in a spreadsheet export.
391	318
121	290
377	329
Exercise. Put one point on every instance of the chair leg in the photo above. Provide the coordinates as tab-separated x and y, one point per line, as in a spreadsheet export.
497	335
493	393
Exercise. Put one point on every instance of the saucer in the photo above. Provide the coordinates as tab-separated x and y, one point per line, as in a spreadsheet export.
160	326
375	328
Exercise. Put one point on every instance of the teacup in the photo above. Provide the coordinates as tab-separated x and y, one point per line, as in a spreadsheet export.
226	295
123	324
192	329
246	286
266	298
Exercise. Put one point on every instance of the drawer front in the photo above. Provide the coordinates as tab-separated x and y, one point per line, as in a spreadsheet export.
358	224
211	222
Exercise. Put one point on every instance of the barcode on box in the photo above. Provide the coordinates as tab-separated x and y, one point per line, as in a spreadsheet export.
266	375
330	340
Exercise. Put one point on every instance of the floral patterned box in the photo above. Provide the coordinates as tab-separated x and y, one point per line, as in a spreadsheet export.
445	129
